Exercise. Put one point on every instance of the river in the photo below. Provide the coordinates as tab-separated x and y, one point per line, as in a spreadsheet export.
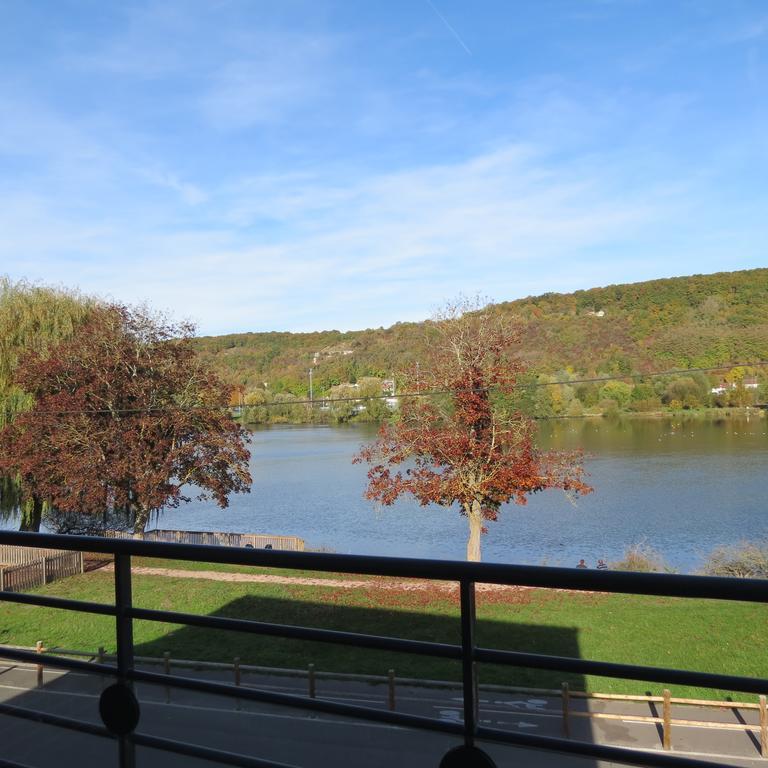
681	486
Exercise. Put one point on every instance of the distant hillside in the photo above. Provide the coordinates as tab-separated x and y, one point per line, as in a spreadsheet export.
682	322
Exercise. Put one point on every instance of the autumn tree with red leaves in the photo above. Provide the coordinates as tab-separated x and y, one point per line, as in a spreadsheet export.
125	417
465	447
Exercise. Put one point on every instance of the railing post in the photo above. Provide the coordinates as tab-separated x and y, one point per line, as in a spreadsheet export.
124	637
666	715
391	689
566	702
311	680
763	728
468	669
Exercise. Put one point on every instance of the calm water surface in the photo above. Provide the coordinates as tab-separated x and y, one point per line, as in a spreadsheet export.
683	487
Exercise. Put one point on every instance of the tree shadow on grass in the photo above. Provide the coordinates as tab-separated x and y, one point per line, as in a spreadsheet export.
204	644
528	712
300	737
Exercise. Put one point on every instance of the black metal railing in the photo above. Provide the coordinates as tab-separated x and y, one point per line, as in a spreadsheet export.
120	710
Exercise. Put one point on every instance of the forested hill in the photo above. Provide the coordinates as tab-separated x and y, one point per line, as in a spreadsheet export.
682	322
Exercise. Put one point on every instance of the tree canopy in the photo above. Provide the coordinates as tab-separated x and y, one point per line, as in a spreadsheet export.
125	417
464	446
33	318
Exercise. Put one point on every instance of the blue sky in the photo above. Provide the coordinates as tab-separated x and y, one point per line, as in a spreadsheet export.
258	165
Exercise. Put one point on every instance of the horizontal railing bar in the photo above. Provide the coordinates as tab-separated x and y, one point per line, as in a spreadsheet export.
623	671
205	753
60	662
299	702
660	584
623	755
60	603
401	645
46	718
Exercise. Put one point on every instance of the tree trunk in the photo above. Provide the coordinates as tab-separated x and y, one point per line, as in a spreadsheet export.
31	519
141	516
475	530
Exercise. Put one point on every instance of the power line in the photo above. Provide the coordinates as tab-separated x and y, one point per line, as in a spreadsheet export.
425	393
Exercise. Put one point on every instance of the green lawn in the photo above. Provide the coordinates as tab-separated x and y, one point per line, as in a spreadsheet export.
694	634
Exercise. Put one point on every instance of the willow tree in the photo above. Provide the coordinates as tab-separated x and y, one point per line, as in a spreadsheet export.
463	447
126	418
33	318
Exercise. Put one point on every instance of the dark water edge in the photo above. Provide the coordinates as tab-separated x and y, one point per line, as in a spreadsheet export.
683	486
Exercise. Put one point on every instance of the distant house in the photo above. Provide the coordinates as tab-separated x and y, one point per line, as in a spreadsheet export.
598	313
749	382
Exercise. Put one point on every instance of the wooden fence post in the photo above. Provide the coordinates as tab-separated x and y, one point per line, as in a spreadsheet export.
2	579
39	649
311	680
763	728
167	670
45	570
667	720
391	685
236	670
566	702
82	563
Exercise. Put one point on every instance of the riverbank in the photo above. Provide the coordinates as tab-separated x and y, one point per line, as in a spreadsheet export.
748	412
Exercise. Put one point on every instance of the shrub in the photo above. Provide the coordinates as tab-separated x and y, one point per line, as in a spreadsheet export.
746	560
641	558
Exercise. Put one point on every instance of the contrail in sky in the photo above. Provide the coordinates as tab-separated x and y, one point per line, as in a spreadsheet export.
450	28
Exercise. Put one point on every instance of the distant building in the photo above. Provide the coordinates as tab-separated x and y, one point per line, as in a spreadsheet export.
749	382
598	313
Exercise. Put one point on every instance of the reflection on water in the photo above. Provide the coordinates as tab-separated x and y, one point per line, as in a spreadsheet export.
683	486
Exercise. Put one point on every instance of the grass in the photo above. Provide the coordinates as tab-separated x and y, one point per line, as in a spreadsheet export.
687	634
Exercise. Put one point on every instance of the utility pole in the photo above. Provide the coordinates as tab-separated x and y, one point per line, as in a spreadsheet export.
310	405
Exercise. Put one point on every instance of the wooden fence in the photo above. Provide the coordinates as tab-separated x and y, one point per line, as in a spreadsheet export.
12	555
218	538
666	721
44	570
565	694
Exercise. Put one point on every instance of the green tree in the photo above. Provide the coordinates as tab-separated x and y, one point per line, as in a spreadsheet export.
618	391
33	318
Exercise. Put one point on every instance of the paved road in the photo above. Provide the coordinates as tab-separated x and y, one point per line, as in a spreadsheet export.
307	739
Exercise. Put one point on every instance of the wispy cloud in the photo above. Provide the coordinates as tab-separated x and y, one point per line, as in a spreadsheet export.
752	30
278	77
414	236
